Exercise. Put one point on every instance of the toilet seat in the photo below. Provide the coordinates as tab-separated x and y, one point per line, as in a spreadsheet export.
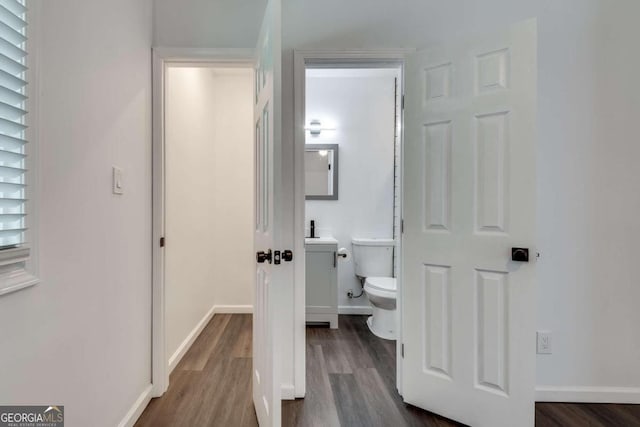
381	292
387	284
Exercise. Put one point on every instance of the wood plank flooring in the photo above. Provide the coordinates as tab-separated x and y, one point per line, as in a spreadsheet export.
211	386
583	415
350	382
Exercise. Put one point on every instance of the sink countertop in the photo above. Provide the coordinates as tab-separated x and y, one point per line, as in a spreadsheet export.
320	241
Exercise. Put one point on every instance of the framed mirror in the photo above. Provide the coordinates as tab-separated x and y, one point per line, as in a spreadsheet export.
321	171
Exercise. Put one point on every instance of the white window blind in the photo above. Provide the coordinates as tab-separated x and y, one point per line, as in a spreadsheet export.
12	122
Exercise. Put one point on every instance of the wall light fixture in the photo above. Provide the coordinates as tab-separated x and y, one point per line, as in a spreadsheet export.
315	127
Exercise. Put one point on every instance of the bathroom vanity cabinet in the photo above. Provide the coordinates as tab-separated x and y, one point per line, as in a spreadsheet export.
321	260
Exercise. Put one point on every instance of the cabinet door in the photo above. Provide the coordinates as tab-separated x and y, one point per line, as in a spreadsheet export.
321	277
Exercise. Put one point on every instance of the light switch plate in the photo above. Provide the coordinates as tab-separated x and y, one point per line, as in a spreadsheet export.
117	181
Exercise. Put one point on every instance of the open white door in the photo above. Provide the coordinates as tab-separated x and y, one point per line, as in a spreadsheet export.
266	379
470	191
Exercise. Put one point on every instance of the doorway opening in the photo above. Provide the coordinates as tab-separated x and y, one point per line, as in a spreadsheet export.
352	194
203	195
349	211
209	198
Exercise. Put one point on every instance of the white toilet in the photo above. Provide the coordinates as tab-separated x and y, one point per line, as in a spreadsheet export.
373	260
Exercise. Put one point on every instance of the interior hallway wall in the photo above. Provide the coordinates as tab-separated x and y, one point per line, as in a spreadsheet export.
82	337
209	195
360	106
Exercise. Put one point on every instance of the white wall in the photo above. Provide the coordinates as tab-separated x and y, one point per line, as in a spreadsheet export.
359	104
81	338
587	181
209	195
206	23
588	194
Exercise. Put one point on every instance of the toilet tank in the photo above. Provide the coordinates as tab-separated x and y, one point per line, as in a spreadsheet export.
373	257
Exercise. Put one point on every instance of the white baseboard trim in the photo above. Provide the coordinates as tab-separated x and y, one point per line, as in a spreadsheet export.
190	339
288	392
138	407
234	309
193	335
588	394
349	309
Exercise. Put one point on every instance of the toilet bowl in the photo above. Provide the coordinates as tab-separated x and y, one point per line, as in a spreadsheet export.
381	292
373	260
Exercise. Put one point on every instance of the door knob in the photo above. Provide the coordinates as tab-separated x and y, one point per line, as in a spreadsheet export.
261	257
520	254
287	255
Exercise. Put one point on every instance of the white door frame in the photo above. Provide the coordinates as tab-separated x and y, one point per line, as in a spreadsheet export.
302	58
163	58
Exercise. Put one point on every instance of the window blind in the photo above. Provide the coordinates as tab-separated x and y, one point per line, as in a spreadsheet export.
12	122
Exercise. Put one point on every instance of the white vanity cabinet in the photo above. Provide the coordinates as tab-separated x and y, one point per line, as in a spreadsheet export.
321	261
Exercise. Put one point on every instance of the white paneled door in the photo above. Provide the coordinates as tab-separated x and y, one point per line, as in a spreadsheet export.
470	191
266	382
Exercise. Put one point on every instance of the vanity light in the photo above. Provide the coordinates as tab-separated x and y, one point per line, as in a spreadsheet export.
315	127
323	153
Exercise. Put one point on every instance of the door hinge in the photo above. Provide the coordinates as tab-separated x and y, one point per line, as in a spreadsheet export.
162	242
402	103
402	350
402	226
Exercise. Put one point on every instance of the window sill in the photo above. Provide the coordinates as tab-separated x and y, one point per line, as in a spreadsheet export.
13	273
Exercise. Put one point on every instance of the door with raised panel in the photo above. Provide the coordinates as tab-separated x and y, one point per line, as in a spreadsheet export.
470	191
266	380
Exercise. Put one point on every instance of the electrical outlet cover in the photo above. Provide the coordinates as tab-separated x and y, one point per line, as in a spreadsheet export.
543	342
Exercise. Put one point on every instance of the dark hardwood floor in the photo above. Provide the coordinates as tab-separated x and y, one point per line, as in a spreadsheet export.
350	382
